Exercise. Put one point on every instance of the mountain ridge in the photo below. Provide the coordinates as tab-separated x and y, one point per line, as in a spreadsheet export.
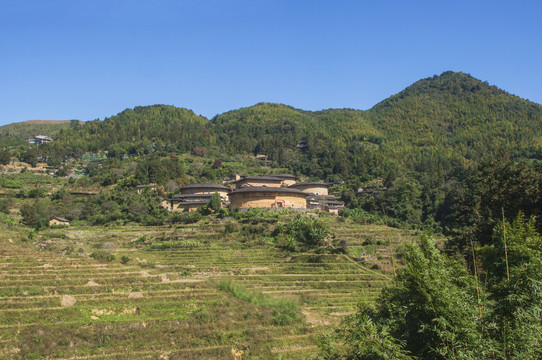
448	117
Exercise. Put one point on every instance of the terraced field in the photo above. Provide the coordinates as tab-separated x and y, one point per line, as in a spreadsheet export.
57	302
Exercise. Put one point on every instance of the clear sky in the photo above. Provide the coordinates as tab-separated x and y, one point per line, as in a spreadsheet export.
88	59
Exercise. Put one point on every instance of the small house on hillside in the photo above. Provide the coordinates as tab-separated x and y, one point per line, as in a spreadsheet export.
58	221
328	203
39	139
186	203
141	188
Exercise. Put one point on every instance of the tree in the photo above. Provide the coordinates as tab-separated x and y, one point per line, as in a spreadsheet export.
5	157
217	164
513	271
30	156
29	214
478	201
429	312
216	202
403	202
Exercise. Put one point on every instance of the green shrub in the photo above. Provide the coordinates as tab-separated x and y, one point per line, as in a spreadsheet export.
54	236
284	311
185	218
102	255
4	206
230	227
163	245
215	203
310	233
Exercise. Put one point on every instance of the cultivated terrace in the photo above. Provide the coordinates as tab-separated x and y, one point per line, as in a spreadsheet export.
432	250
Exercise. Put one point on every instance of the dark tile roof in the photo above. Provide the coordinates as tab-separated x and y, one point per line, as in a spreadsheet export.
279	190
284	176
261	178
323	197
335	202
59	219
309	184
208	186
190	196
202	202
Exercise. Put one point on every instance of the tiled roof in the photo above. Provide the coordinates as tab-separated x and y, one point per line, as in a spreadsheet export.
309	184
267	189
263	178
211	186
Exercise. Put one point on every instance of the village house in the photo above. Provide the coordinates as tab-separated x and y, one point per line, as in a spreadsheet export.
328	203
258	192
370	190
316	188
195	196
268	197
319	197
141	188
210	189
39	139
287	179
186	203
58	221
257	181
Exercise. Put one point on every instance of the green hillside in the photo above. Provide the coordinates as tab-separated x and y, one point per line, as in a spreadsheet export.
450	155
19	132
134	130
450	118
456	113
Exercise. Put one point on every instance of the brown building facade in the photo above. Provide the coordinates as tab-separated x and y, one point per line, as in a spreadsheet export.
268	197
207	189
58	221
257	181
316	188
287	179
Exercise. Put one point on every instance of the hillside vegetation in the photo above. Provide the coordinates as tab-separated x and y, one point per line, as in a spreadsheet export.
449	158
458	115
17	133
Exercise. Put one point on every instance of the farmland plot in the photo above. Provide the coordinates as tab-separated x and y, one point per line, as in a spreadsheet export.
176	300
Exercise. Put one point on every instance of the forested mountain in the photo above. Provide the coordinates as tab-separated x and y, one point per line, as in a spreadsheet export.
438	121
19	132
449	155
136	130
457	114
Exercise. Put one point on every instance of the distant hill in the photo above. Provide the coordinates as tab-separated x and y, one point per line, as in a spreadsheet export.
134	130
270	128
452	117
27	129
455	112
437	121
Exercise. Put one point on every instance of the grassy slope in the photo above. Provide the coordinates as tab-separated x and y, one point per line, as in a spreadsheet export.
168	301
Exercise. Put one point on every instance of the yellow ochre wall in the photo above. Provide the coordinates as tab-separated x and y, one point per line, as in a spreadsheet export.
288	182
223	193
318	190
257	183
268	200
55	222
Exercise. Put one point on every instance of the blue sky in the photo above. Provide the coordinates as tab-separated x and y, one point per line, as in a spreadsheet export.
75	59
